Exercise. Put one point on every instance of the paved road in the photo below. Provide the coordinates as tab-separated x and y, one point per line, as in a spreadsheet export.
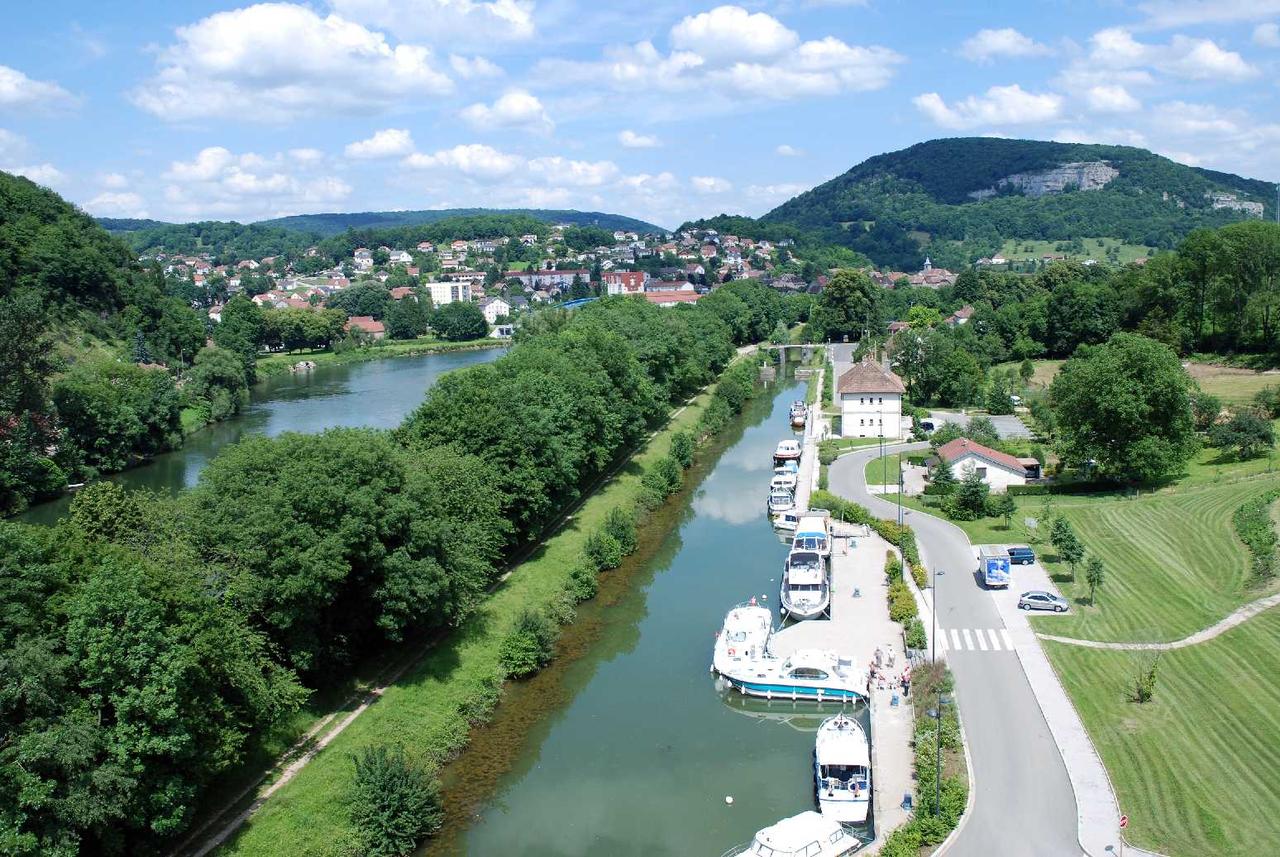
1024	804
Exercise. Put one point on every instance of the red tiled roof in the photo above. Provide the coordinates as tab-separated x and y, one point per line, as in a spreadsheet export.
367	323
962	446
868	377
670	297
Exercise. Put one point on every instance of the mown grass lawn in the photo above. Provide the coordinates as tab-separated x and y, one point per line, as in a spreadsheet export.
1195	769
308	815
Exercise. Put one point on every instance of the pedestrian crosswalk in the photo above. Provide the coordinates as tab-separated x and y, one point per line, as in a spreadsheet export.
975	640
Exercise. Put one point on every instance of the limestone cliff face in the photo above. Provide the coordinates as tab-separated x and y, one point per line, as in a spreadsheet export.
1082	175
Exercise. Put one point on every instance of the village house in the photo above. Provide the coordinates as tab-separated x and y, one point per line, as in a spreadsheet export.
624	282
870	401
669	298
495	308
548	279
400	257
959	317
446	293
367	324
997	469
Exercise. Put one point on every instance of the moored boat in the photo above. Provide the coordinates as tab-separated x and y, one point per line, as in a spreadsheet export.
816	674
781	500
813	533
799	412
784	478
743	637
842	770
805	835
786	450
805	592
787	520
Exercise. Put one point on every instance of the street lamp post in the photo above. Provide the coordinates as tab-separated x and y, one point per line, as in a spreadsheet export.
901	485
933	639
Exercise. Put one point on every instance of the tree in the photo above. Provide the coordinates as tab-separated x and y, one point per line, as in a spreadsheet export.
848	306
1094	574
28	431
408	318
241	331
1247	433
998	401
217	377
459	321
982	430
1067	544
1026	371
370	299
394	802
1126	406
942	478
1004	506
1204	409
969	501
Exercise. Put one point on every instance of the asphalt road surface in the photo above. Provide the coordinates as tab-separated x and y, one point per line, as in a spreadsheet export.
1024	804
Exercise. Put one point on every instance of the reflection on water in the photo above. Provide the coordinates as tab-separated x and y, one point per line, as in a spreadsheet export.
638	748
376	394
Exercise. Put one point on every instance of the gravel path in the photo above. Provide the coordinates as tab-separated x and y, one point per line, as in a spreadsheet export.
1248	611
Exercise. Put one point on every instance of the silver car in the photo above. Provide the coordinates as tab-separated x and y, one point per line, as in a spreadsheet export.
1038	599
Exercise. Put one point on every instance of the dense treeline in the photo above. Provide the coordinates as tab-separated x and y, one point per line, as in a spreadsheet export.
1218	292
78	318
899	206
332	224
149	642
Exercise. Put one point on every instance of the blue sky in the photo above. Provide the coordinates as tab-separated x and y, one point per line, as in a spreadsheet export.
664	111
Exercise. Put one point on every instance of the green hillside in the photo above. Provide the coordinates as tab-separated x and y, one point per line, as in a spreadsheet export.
900	206
333	224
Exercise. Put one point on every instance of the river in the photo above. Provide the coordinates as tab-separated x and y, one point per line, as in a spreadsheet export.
624	746
375	393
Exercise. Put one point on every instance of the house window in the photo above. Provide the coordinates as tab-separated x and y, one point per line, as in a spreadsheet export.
982	472
881	400
862	422
862	400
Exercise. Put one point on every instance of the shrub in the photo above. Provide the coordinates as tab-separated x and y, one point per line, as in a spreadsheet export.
902	605
602	550
1253	524
915	634
828	451
529	646
394	802
664	478
823	483
583	581
1268	400
1144	683
621	524
892	566
682	447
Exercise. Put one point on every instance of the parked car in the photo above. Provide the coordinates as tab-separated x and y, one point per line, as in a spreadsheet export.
926	425
1038	599
1016	401
1022	556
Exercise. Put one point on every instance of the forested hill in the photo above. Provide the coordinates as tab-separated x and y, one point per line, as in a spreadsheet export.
332	224
960	199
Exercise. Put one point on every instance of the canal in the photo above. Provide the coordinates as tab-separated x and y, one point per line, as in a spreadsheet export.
624	746
376	394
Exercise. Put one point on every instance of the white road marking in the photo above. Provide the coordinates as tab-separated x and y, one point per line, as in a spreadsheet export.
1008	641
968	640
982	641
995	641
955	639
942	639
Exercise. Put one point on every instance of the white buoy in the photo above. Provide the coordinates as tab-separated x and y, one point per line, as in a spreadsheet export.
728	800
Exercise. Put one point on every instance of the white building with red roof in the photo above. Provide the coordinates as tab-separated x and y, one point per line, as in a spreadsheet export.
998	469
870	401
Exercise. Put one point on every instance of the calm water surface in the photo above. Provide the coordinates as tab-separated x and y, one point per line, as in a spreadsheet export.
636	749
376	394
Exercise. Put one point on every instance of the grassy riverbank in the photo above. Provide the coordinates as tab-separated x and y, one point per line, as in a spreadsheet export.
276	364
432	707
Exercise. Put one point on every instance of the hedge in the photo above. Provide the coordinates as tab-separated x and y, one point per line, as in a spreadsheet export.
1043	488
1254	526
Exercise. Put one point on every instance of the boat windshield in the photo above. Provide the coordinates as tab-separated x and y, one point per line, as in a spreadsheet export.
811	673
844	776
805	587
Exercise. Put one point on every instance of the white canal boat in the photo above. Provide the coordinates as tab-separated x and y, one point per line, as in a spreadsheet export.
784	477
787	520
787	450
842	770
781	500
743	638
805	835
814	674
806	586
799	412
813	533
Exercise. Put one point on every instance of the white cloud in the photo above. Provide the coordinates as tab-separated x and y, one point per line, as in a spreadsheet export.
564	171
1181	13
117	204
387	143
776	192
306	156
114	181
1001	105
724	55
18	90
43	174
12	146
446	22
220	183
1111	99
986	45
275	61
1267	35
710	184
473	68
475	160
631	140
733	33
1115	48
513	109
789	151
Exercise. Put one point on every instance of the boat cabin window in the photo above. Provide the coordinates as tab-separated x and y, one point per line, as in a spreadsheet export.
808	673
813	849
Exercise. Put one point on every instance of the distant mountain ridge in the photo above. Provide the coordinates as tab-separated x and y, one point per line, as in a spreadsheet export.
333	224
960	198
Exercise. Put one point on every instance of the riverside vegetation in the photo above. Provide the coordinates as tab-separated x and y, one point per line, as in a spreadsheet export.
296	559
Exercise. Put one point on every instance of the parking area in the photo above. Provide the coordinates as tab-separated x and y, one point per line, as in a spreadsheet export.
1009	426
1024	578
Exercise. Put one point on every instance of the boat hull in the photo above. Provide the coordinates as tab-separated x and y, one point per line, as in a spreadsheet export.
803	611
846	811
766	690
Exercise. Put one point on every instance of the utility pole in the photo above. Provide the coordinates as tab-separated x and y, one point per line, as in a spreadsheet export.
900	488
